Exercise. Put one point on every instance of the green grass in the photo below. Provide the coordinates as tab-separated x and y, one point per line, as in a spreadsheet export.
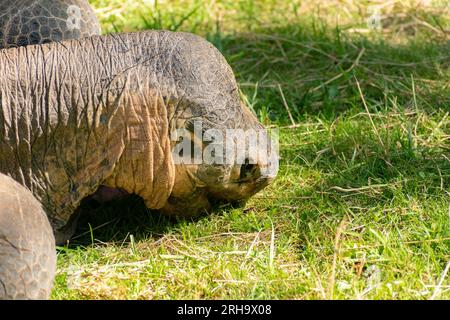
361	207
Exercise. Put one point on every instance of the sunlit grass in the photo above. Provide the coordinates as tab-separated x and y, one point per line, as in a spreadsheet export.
361	206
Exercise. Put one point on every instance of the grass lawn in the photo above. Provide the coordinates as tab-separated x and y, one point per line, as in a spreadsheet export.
361	207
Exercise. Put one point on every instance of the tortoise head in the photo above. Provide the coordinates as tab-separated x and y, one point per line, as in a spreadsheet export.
217	166
222	154
215	151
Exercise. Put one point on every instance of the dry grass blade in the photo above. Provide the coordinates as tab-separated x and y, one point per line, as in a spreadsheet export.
355	63
272	248
331	281
438	288
368	113
373	188
286	106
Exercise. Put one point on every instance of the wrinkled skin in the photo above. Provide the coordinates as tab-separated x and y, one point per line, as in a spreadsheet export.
25	22
98	112
27	244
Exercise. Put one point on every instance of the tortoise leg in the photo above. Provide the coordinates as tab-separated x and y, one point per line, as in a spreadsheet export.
27	244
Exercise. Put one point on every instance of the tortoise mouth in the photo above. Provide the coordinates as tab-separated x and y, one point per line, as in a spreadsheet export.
237	191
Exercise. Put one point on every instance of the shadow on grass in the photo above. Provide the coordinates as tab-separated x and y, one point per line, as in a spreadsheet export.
317	67
117	220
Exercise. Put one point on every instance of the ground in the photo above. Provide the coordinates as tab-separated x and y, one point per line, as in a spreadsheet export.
361	207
